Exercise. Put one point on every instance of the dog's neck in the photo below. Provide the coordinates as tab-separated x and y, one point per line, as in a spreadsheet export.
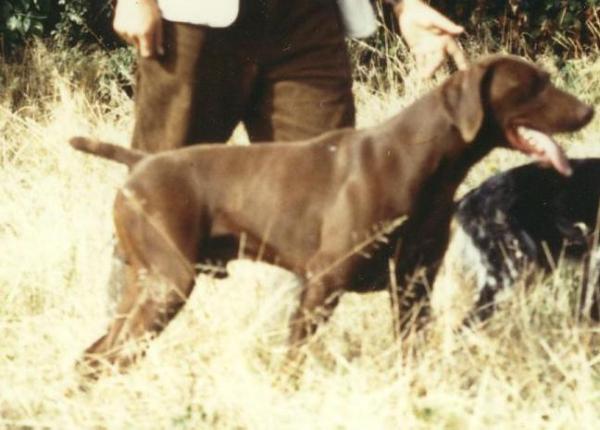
434	147
439	161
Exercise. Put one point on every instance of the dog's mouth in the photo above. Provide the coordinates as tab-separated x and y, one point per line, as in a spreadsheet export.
539	146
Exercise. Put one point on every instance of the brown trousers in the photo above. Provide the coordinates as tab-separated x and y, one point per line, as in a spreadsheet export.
282	69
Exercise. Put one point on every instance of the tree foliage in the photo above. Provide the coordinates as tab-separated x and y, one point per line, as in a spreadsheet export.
568	28
20	19
521	26
70	21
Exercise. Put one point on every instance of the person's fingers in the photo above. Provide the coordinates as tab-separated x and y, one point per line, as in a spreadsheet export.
139	23
454	50
159	39
135	42
146	45
126	37
439	22
123	33
431	63
431	37
430	55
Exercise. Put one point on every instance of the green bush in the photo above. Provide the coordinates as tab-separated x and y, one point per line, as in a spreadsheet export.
71	21
567	28
86	21
21	19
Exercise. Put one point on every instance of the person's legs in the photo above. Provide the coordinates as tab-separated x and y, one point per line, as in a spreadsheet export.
207	81
304	86
194	93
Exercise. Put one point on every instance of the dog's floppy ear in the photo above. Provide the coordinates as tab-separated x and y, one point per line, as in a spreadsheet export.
462	98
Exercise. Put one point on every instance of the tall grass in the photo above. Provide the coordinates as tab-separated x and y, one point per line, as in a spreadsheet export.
219	364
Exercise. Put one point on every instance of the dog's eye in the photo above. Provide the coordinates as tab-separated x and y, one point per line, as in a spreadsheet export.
525	93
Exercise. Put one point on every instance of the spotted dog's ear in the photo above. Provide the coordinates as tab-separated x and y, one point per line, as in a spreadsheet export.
462	98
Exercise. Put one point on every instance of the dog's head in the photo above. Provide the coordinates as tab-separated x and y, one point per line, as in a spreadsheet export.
515	102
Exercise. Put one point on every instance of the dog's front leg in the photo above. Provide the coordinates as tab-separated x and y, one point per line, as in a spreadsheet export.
327	279
317	303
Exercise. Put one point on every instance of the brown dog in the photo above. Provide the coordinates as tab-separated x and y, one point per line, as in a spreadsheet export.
314	206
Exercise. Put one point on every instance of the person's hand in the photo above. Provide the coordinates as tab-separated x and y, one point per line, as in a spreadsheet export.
139	22
430	36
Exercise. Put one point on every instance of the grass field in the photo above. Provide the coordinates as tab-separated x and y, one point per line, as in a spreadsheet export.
218	365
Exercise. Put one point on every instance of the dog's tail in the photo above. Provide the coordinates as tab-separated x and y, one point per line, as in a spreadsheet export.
117	153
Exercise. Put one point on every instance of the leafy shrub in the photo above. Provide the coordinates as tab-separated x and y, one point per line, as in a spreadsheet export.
20	19
568	28
87	21
71	21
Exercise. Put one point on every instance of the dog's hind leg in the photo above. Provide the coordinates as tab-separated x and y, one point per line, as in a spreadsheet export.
159	278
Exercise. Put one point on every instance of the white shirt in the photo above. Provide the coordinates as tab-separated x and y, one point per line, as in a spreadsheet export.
358	15
213	13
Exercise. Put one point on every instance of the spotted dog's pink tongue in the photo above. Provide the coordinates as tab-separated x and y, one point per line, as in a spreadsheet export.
545	149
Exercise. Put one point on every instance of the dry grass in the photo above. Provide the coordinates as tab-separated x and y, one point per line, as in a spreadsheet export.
218	365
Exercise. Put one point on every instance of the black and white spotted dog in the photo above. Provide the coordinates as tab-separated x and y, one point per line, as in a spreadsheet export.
525	219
